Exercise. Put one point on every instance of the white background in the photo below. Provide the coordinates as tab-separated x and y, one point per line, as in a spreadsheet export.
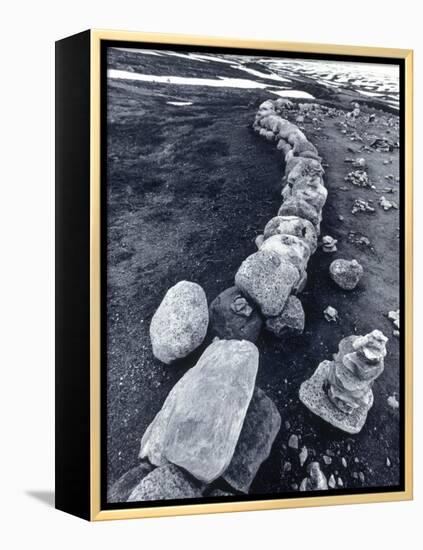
28	32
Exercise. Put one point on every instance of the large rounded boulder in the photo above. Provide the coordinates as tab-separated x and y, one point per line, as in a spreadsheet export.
267	280
180	323
292	225
289	248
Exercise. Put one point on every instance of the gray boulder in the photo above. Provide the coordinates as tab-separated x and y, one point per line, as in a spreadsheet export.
299	207
165	483
315	196
180	323
261	426
290	248
232	316
123	487
346	274
199	424
267	280
290	321
292	225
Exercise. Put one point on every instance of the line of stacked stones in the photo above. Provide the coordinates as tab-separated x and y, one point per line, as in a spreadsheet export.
216	427
276	273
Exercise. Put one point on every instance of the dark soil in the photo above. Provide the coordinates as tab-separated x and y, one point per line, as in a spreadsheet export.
189	189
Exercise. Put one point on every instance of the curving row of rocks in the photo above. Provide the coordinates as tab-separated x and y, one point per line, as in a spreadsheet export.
274	275
215	424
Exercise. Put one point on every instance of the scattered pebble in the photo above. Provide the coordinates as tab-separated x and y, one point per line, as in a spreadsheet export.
331	314
344	462
329	244
293	442
332	482
359	178
393	402
359	163
387	205
287	467
388	462
303	455
361	476
360	205
340	482
327	460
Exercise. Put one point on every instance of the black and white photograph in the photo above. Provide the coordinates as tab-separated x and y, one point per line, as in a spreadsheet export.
253	275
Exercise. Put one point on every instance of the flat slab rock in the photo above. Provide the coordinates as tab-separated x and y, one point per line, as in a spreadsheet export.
166	483
123	487
261	426
313	396
200	422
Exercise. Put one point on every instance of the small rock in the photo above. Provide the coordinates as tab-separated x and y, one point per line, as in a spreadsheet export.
303	455
346	274
332	482
396	333
316	480
344	462
393	402
329	244
359	178
360	205
340	482
359	163
287	425
287	467
327	460
361	477
388	462
331	314
293	442
387	205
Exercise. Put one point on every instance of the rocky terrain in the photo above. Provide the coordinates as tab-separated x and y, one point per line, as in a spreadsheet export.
193	191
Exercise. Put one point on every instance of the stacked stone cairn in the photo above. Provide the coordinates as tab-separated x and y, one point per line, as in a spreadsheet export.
340	391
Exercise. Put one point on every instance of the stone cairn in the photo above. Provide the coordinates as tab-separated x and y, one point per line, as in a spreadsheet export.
340	391
216	427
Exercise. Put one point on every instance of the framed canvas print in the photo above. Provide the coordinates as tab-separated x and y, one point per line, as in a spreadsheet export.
233	275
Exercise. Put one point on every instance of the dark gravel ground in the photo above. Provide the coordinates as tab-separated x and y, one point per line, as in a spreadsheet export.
189	189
